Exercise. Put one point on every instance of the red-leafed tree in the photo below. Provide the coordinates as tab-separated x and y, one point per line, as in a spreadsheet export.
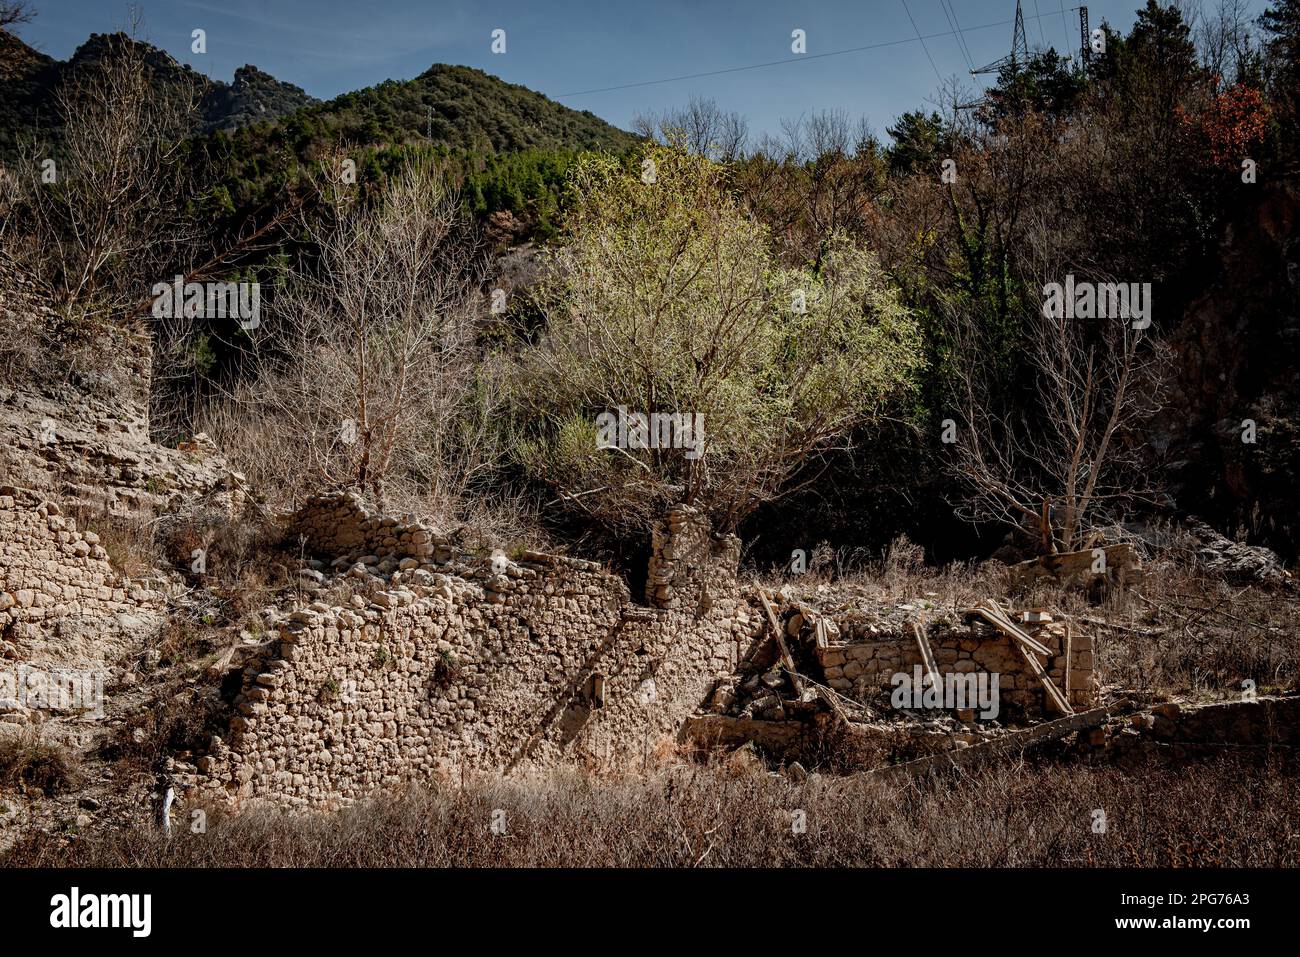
1235	123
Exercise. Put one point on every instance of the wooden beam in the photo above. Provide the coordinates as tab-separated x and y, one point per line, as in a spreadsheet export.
1012	743
996	617
1027	646
927	654
1053	692
786	660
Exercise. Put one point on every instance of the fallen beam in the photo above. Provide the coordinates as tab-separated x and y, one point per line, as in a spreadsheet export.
777	632
1016	742
1027	646
1053	692
927	654
1001	621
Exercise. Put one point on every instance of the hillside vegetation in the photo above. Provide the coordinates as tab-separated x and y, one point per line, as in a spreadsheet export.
863	323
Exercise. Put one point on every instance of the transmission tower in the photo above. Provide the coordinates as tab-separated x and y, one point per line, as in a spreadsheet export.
1019	55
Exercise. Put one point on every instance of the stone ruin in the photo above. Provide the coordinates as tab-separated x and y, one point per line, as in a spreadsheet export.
415	661
60	598
404	658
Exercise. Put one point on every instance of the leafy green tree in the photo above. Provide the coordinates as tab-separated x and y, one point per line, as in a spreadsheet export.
1153	68
1046	85
666	298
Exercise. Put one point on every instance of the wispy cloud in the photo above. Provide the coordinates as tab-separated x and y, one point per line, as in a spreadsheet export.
361	38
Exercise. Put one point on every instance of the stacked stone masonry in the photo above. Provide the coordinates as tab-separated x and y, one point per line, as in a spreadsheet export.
82	436
54	578
436	664
476	669
858	667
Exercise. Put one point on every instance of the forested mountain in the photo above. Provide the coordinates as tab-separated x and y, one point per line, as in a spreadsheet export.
30	82
456	107
462	108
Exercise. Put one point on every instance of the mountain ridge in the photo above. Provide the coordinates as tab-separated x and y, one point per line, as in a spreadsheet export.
457	106
30	81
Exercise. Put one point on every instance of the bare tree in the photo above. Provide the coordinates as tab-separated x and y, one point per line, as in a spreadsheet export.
106	204
701	127
369	359
1225	40
1062	458
816	180
15	11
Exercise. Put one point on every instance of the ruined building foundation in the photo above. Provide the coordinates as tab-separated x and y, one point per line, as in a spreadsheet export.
443	665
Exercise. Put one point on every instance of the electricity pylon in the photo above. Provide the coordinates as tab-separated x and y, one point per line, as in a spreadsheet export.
1019	55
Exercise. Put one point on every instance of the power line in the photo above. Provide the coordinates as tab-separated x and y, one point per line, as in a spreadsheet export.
794	59
961	33
1065	24
951	16
937	75
1041	35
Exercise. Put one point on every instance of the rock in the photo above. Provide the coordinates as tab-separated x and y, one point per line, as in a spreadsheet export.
1234	562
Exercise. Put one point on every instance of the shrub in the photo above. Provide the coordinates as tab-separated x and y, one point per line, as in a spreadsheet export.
28	760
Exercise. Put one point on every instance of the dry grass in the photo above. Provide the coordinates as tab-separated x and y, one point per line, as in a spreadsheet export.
130	541
181	717
471	498
1183	631
1219	813
245	563
27	760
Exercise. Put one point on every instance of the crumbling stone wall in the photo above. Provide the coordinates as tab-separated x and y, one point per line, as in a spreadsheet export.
74	417
462	666
340	523
690	566
858	666
414	662
57	588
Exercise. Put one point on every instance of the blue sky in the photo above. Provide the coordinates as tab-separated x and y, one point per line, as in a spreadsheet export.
564	48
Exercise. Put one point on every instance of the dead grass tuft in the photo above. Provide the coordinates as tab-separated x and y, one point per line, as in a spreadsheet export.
27	760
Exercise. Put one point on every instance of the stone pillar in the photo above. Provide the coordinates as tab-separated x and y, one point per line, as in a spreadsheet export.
1082	689
690	566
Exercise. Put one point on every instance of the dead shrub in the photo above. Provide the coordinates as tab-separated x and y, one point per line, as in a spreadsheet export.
130	541
27	760
182	718
242	563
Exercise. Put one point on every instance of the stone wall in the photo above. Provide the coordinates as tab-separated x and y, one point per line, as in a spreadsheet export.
463	667
414	662
339	524
74	416
58	592
859	667
689	565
